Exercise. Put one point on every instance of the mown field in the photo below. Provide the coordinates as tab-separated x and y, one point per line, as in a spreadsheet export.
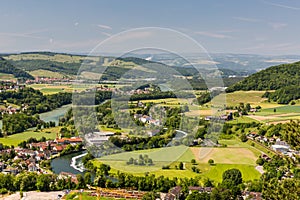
16	139
236	155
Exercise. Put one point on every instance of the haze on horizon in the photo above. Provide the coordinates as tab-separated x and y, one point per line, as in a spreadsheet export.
268	27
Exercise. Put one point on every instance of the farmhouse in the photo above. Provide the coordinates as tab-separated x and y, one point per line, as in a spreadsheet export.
280	148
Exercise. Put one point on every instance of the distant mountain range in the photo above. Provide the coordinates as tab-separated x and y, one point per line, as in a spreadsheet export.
232	67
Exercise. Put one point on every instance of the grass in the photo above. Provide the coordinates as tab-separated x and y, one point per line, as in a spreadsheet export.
84	196
227	155
15	139
280	110
215	172
234	98
237	155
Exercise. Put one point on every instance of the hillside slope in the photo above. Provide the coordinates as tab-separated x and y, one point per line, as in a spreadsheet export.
7	68
272	78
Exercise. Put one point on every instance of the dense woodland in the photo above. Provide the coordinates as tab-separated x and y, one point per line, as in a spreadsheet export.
272	78
34	101
284	95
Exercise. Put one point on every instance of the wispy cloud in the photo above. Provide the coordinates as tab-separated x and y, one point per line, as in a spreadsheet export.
104	26
274	25
106	34
277	25
213	35
282	5
246	19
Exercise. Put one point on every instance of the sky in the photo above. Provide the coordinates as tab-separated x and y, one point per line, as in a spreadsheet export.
270	27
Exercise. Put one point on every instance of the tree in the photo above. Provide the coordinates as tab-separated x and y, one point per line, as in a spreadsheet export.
232	177
81	181
43	182
180	166
243	137
193	161
87	178
260	161
198	196
211	161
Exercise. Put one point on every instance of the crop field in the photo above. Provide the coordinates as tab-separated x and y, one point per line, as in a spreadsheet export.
16	139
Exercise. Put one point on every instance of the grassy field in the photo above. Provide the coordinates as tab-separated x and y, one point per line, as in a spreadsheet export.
15	139
215	172
236	155
283	114
225	155
252	97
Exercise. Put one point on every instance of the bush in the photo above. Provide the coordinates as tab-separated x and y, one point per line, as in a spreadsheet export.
211	161
260	161
3	191
165	167
193	161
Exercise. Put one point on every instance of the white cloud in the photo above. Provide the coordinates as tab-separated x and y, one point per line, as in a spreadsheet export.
104	26
277	25
213	35
246	19
76	24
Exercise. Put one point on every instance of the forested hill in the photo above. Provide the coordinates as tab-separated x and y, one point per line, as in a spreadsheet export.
7	68
272	78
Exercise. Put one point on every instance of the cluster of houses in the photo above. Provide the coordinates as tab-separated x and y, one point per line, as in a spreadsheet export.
275	144
10	86
42	80
28	158
147	119
220	118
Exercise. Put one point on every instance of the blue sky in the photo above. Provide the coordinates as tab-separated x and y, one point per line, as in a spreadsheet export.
231	26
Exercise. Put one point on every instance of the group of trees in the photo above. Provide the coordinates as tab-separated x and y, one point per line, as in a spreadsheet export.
35	101
19	122
142	160
43	182
284	95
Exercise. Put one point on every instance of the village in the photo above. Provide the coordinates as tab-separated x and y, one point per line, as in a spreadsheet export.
33	157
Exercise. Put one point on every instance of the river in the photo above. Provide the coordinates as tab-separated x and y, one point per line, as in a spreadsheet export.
53	115
63	163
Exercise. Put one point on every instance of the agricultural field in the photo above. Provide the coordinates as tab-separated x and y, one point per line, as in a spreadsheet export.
57	57
4	77
16	139
236	155
279	114
252	97
47	73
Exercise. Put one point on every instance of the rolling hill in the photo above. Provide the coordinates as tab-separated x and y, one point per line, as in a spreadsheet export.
7	68
272	78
